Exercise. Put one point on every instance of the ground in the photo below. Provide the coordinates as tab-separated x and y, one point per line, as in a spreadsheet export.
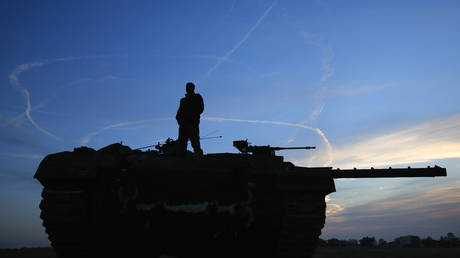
340	252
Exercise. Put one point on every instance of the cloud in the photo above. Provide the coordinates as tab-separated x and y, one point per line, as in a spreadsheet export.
425	142
333	209
423	212
314	129
244	39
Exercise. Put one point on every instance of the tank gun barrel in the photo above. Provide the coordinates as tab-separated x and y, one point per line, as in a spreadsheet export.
389	172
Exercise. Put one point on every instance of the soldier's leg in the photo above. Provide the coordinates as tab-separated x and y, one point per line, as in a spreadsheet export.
182	141
195	138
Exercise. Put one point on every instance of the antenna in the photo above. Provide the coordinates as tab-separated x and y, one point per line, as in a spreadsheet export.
211	137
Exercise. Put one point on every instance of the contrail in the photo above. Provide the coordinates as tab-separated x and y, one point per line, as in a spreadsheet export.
85	139
28	108
327	54
314	129
248	34
14	81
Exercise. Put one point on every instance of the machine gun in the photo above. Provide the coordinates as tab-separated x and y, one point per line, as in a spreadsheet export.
263	151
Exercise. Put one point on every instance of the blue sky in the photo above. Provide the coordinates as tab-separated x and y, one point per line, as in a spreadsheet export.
370	84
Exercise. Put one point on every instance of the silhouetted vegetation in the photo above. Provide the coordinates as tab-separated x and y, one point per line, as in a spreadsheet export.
409	241
368	241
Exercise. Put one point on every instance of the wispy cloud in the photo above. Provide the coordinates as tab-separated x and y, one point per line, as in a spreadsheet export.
425	142
244	39
333	209
429	210
314	129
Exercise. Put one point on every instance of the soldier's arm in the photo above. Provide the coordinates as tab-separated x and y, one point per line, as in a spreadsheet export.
180	111
201	103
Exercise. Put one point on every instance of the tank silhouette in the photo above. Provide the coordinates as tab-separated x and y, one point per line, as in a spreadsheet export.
119	202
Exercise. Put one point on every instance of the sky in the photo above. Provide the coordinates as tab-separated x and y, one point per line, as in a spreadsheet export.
369	83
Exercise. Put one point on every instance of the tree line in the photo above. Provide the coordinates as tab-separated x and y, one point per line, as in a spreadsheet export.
448	241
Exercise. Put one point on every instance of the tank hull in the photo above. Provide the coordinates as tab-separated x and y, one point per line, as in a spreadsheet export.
114	204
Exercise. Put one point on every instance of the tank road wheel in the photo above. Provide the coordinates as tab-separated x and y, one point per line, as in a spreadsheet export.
65	218
304	217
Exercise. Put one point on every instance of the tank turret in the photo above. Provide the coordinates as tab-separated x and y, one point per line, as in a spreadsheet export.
120	202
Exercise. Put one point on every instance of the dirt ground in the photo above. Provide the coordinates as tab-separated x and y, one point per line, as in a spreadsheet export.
340	252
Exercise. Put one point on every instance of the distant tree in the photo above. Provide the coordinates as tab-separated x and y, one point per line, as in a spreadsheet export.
429	242
352	242
382	242
368	241
449	241
333	242
408	241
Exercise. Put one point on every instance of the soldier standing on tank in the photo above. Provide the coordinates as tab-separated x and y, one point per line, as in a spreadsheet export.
188	118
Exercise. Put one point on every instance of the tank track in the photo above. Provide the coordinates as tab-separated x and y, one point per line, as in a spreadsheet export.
66	220
304	217
66	217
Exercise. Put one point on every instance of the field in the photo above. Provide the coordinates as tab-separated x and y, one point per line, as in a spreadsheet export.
340	252
362	252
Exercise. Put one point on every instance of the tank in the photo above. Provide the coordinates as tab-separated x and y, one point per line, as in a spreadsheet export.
120	202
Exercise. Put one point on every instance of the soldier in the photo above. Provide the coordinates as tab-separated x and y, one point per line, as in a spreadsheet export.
188	118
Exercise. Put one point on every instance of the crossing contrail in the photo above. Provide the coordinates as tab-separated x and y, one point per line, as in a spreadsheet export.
15	82
87	138
314	129
246	37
